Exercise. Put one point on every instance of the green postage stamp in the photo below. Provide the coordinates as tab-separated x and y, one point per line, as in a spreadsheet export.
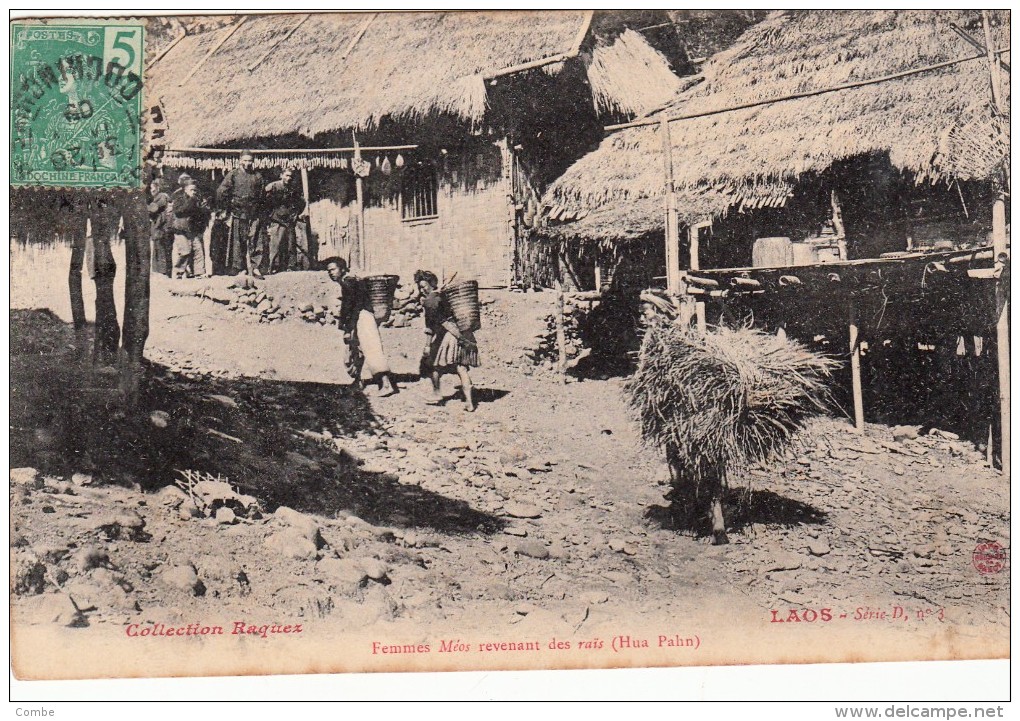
76	100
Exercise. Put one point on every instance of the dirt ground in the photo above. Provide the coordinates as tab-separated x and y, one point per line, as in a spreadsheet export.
542	509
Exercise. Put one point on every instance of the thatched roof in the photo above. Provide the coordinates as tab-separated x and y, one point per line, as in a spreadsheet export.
934	125
343	71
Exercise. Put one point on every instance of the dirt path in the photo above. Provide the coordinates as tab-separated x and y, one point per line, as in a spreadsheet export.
542	510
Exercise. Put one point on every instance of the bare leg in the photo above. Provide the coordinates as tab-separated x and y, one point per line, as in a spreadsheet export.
718	520
465	382
387	385
437	396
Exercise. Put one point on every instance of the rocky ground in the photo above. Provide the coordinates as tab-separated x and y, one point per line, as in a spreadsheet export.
253	481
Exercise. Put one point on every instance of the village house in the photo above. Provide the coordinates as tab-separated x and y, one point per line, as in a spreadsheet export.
424	140
910	159
877	141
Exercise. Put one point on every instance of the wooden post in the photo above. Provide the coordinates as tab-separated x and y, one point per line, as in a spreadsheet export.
672	231
855	370
699	307
993	63
362	251
311	249
561	336
1002	327
999	246
304	186
598	276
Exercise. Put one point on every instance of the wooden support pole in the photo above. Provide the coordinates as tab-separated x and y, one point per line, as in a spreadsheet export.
359	189
999	246
695	240
1002	328
993	67
672	231
855	370
561	335
311	249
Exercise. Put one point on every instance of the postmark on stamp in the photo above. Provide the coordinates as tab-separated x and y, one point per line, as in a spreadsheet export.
76	100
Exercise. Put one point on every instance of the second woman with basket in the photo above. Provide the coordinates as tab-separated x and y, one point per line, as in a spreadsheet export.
448	348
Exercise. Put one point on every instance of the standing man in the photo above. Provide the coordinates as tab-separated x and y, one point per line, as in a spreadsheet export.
366	359
159	229
190	216
286	204
241	196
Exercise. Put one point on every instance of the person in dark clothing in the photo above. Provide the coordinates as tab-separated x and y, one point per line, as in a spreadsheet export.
366	359
241	196
286	204
447	347
190	217
159	229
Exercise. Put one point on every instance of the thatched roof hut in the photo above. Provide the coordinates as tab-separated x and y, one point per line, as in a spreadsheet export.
337	72
935	125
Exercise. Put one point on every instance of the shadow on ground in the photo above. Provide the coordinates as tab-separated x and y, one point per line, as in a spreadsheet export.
742	508
282	442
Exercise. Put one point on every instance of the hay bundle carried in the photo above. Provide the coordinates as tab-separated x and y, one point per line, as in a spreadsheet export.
722	401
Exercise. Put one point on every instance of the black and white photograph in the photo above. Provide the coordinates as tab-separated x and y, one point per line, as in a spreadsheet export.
376	341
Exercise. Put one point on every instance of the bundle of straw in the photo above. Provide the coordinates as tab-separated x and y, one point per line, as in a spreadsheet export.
725	400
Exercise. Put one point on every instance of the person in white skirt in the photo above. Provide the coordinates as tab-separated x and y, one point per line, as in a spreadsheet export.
447	347
366	359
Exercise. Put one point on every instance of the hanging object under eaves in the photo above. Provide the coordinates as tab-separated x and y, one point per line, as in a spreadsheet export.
361	167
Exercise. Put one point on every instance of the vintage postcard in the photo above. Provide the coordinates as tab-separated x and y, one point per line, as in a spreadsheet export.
397	341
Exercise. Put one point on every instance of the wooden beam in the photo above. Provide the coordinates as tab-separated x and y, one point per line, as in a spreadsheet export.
217	46
167	49
357	38
278	43
855	370
806	94
975	44
993	68
582	33
574	51
702	282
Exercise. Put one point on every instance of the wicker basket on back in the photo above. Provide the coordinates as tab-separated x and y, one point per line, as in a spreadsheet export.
463	299
380	293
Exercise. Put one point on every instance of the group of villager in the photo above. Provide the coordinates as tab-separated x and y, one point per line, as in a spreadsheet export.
253	224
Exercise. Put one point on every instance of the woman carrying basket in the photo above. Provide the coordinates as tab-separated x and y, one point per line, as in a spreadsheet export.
366	359
447	347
